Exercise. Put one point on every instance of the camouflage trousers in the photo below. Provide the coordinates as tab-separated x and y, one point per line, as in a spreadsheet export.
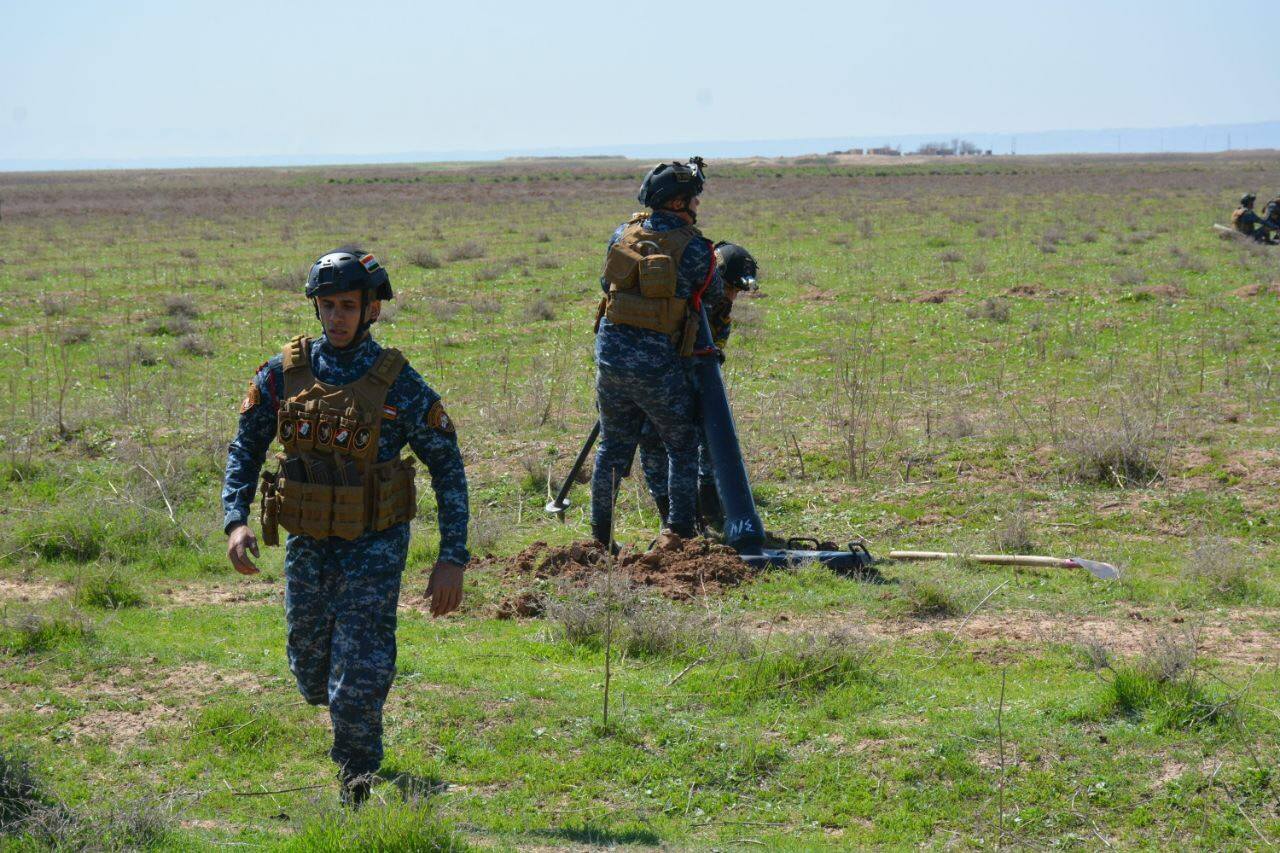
340	607
626	403
653	461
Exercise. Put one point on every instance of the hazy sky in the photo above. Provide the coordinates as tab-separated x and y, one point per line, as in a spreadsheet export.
230	78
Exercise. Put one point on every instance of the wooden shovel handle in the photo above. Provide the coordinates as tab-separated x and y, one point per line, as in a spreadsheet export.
994	559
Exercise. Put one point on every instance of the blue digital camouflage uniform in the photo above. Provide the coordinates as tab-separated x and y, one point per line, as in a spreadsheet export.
653	455
640	375
340	595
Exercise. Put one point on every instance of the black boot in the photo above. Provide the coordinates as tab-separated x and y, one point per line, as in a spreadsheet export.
602	532
684	531
709	506
355	790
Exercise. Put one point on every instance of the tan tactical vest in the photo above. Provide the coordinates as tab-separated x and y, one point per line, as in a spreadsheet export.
1237	221
641	271
328	483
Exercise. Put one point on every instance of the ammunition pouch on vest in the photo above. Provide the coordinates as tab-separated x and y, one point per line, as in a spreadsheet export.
328	483
641	271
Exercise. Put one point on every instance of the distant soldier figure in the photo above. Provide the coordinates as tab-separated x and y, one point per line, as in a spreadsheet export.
1249	223
739	270
1271	214
342	408
659	270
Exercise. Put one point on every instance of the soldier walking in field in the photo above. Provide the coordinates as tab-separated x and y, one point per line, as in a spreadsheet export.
659	270
739	270
342	408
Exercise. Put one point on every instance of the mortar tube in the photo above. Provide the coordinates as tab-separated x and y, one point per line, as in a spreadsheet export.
743	530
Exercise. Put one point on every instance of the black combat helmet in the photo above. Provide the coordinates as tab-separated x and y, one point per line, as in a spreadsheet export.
1248	199
666	181
343	270
737	265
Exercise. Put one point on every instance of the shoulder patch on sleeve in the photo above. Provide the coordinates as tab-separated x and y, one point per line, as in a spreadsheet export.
252	398
438	418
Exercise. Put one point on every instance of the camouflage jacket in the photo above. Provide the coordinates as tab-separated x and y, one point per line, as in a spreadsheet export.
643	352
408	401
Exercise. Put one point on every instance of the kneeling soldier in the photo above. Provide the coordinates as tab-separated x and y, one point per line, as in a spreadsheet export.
342	408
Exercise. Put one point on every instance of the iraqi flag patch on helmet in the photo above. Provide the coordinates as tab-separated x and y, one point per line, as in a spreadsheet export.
369	262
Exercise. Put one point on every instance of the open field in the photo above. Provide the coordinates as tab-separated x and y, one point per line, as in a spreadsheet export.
1051	355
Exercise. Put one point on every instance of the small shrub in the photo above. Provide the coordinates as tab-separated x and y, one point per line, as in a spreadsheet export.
1223	568
292	281
21	797
536	474
76	334
140	354
490	273
539	310
930	598
1013	534
977	266
1089	237
958	425
189	254
467	251
1119	452
33	633
485	531
992	308
443	310
52	307
810	663
1161	686
542	237
547	264
193	344
181	305
109	590
951	256
424	259
486	305
175	325
1129	276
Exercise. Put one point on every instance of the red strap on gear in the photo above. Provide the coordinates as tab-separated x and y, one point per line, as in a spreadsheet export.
695	298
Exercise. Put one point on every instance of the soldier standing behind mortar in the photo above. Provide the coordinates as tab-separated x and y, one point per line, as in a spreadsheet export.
659	270
343	408
739	270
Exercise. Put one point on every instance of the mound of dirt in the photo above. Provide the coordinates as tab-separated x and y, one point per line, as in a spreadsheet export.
1251	290
680	572
935	297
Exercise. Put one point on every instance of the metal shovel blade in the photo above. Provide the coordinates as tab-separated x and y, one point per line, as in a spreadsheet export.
557	507
1102	571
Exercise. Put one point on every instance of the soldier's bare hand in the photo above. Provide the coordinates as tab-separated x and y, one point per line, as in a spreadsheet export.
240	543
445	588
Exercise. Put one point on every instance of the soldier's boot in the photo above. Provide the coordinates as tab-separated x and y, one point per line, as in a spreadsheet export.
709	506
355	790
664	507
668	540
602	532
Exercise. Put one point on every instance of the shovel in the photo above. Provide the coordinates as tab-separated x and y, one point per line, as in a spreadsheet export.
561	503
1103	571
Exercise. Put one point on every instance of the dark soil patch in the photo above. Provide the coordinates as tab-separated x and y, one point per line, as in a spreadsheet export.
694	567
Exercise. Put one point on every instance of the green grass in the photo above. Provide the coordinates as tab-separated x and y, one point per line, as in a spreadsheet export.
1090	383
